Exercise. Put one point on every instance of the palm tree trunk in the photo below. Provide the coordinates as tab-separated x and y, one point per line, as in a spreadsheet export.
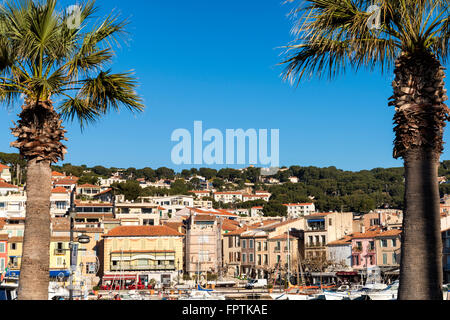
34	271
421	115
421	261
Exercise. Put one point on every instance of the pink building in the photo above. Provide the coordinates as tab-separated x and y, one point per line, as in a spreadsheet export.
364	254
203	244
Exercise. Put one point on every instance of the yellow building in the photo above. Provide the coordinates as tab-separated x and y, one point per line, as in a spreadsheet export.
59	257
142	253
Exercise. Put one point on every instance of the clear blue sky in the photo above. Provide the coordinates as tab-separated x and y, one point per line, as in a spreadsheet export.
215	61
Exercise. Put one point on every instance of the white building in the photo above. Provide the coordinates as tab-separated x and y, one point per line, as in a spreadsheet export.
256	212
5	174
296	210
228	197
6	188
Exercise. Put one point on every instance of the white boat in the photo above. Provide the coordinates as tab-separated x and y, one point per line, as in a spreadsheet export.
389	293
344	293
202	295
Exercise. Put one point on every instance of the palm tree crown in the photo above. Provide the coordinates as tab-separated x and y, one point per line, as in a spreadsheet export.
44	54
333	34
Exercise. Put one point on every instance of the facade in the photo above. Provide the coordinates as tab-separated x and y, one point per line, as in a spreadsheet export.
388	249
364	254
142	253
283	253
88	190
322	228
339	252
3	253
228	197
5	174
297	210
203	244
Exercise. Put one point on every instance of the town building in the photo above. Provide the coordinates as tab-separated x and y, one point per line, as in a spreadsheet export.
388	250
203	244
297	210
142	254
5	173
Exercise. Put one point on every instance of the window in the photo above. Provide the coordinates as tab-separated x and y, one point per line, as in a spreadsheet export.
259	259
13	246
331	222
2	264
90	268
394	258
250	258
230	242
356	260
60	205
265	245
324	240
385	258
250	244
266	259
371	245
203	256
384	243
394	242
259	246
244	257
2	250
244	244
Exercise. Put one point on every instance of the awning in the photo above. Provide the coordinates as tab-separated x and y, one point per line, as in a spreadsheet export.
53	273
316	220
59	273
118	277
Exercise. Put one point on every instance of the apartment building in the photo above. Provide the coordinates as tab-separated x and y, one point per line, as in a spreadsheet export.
388	249
203	244
322	228
297	210
228	197
142	253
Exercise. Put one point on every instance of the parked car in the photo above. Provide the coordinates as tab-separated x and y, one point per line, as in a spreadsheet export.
259	283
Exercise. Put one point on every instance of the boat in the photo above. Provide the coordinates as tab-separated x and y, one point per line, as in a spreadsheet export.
202	294
344	293
8	292
389	293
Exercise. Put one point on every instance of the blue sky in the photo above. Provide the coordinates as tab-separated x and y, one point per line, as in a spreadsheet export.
216	62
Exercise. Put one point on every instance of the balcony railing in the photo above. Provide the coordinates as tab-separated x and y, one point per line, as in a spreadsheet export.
60	252
315	245
144	268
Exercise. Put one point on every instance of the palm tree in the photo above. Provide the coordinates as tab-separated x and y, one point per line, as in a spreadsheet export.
45	55
410	37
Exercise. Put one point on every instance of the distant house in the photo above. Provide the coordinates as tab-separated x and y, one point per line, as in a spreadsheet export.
6	188
69	183
88	190
340	253
5	174
228	197
296	210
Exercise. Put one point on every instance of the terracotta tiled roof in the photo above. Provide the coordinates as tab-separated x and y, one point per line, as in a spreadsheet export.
390	233
205	218
237	232
283	237
87	185
229	226
57	174
7	185
367	235
174	225
4	237
103	192
344	241
60	190
16	239
143	231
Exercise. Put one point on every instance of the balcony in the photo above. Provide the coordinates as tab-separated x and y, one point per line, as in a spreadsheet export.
315	245
144	268
60	252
